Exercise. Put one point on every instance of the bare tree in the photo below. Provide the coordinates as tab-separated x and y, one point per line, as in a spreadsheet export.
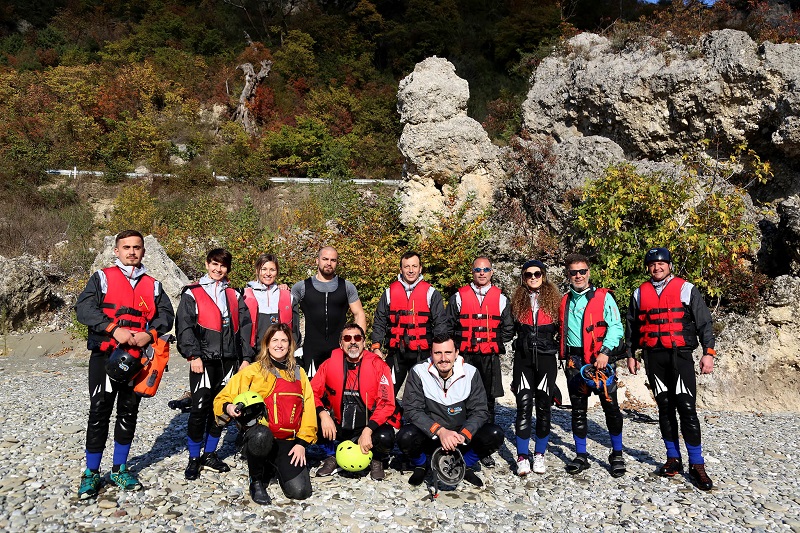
243	115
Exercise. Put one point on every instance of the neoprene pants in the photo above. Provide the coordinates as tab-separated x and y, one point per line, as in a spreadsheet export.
488	366
412	441
674	387
102	394
264	462
534	384
401	363
204	387
382	438
579	396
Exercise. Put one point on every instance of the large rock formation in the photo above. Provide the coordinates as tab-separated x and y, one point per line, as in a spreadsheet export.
25	292
445	151
158	264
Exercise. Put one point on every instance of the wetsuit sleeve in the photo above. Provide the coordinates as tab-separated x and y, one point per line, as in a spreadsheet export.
414	408
632	325
506	323
477	408
380	322
453	310
298	291
185	320
165	315
441	322
614	333
307	434
702	319
318	386
245	331
87	307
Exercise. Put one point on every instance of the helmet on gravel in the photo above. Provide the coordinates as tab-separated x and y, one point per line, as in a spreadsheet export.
350	458
657	254
251	406
122	366
448	465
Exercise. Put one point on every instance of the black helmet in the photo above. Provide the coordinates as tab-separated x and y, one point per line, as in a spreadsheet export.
657	254
123	366
448	465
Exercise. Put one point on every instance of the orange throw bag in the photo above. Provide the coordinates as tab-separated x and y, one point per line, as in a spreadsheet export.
148	379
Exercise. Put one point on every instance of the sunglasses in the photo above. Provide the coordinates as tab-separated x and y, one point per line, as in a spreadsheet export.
528	275
484	269
356	337
581	271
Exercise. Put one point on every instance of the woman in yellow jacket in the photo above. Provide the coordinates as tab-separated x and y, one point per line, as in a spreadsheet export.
276	445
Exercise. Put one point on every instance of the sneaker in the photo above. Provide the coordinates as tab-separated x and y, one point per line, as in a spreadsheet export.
700	478
376	470
90	485
488	462
523	466
328	467
193	468
471	477
418	476
671	467
124	479
577	465
212	462
259	494
617	465
538	463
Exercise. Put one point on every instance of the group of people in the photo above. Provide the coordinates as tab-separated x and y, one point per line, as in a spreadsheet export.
325	386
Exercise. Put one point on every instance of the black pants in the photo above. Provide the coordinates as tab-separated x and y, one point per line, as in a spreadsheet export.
402	362
412	441
490	371
674	385
204	388
579	394
103	392
382	438
268	457
312	361
534	381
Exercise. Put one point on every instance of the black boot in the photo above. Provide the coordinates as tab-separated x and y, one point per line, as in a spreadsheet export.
259	493
193	468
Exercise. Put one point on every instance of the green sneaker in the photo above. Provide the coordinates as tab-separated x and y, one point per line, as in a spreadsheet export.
90	485
124	479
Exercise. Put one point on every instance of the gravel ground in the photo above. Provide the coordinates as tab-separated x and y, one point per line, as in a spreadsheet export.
751	457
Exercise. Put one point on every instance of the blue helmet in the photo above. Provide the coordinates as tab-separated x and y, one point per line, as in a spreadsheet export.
657	254
597	379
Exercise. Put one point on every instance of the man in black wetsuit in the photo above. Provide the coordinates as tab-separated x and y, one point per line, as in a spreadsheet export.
324	300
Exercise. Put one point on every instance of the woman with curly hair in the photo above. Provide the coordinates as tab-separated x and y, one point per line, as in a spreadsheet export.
535	306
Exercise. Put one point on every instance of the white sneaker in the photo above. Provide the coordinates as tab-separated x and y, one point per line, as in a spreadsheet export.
523	466
538	463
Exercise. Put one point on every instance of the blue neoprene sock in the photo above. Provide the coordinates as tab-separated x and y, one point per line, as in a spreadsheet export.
695	454
93	460
616	442
523	446
194	447
211	444
418	461
580	444
672	449
470	458
541	445
329	448
121	453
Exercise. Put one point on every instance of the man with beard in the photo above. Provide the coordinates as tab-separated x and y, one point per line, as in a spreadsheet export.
324	300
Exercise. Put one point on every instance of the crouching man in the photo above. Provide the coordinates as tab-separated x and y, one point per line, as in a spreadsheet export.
445	405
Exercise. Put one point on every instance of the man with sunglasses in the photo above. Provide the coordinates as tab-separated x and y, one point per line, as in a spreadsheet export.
409	314
591	333
354	396
481	323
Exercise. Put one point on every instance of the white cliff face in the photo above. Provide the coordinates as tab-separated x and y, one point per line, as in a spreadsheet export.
445	151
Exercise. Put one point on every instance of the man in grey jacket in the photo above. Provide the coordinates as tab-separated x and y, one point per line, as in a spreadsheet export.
445	405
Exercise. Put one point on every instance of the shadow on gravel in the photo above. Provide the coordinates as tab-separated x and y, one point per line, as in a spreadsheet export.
172	441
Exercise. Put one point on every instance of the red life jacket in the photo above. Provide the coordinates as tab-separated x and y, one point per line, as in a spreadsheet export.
662	317
127	307
208	314
285	406
479	321
284	310
542	318
593	327
409	317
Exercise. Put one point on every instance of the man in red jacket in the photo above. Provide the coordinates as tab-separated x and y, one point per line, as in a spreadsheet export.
354	395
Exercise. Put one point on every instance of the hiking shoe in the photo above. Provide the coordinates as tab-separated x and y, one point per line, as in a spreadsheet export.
328	467
617	465
90	485
418	476
193	468
488	462
538	463
376	470
577	465
471	477
212	462
523	466
123	479
671	467
700	478
259	494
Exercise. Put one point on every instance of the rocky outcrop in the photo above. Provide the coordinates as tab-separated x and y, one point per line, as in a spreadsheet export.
25	292
158	264
446	152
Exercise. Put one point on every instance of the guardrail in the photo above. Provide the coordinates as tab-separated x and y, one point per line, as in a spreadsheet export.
274	179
